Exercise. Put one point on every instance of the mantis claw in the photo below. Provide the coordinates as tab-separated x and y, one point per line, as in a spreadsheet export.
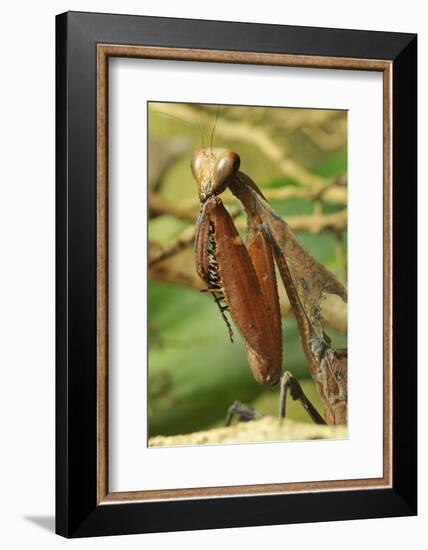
290	384
245	413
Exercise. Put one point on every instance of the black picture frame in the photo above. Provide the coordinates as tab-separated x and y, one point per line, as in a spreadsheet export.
78	513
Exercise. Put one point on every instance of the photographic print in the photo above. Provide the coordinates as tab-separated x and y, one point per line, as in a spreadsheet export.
247	274
215	217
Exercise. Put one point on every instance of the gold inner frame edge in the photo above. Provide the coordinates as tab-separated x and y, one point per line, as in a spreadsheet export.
104	51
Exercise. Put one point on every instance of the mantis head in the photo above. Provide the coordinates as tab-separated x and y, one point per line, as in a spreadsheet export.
213	169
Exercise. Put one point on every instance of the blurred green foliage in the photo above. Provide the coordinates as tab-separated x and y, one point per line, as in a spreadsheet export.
195	372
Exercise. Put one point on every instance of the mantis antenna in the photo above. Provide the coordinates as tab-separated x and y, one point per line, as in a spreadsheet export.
212	131
185	122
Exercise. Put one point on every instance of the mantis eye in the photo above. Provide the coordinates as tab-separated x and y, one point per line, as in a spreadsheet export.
197	164
226	167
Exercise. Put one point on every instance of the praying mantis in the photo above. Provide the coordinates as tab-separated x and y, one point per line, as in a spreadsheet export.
242	279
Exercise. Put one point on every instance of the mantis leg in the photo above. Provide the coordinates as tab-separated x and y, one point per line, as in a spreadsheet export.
290	384
245	413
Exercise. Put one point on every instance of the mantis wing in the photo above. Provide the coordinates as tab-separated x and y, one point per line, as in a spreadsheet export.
224	263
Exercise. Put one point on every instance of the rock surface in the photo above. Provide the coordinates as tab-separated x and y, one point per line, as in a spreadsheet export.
265	430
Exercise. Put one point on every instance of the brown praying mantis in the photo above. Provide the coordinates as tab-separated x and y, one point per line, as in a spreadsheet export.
242	279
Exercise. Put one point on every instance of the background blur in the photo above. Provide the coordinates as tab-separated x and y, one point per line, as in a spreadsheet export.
298	157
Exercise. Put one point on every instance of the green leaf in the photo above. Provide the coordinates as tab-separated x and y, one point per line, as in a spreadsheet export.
334	165
194	371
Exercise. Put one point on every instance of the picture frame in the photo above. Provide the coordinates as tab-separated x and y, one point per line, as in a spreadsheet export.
84	44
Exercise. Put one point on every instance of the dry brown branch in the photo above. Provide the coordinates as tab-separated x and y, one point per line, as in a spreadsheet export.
322	222
188	209
159	206
323	140
185	239
158	254
339	187
326	141
334	192
295	119
162	156
179	269
238	130
314	223
288	119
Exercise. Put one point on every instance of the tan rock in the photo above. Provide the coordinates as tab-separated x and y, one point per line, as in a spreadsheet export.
268	429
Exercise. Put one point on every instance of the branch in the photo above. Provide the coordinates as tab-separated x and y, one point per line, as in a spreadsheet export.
314	223
179	269
238	130
326	141
334	192
158	254
159	206
188	209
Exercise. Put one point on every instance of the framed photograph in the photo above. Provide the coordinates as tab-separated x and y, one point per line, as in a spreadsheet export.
236	274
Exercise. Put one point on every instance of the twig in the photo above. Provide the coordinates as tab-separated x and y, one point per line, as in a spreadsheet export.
179	269
185	239
159	206
238	130
313	223
188	209
340	187
332	192
159	254
325	140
